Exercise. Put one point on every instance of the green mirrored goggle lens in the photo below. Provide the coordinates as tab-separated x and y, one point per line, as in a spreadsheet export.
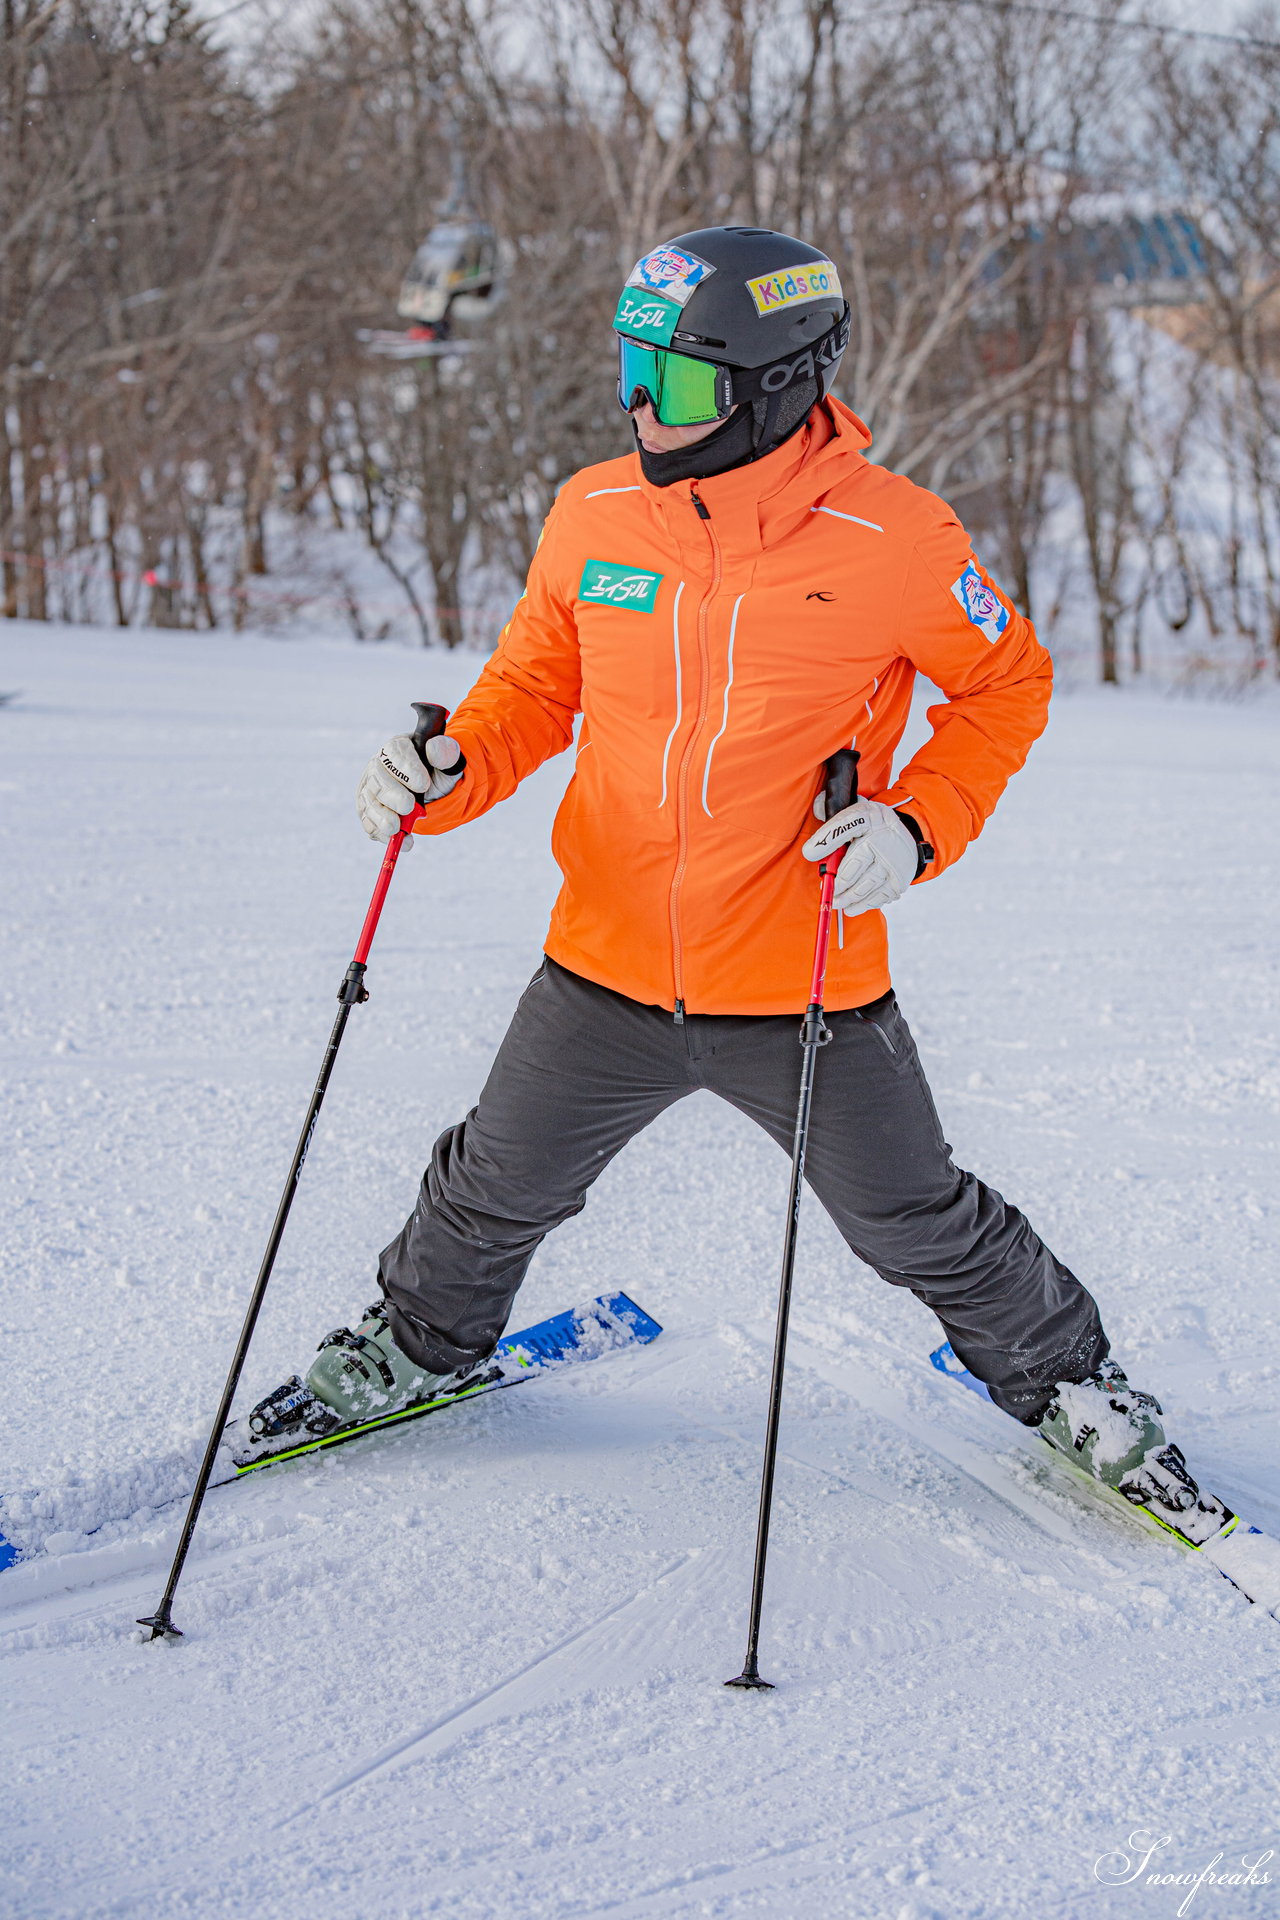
684	392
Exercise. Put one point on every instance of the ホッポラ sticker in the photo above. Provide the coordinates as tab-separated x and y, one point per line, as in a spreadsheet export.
670	271
646	316
606	583
790	285
982	605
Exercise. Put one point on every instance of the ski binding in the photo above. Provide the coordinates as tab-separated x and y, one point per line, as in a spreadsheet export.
583	1333
1242	1553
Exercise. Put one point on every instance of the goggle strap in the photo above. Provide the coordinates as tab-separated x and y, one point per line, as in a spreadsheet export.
758	383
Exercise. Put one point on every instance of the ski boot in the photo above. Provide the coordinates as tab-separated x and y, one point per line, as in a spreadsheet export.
355	1377
1113	1432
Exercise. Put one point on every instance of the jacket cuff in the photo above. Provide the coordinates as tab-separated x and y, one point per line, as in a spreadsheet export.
924	852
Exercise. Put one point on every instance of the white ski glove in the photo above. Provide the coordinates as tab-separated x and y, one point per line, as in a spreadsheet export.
396	779
882	858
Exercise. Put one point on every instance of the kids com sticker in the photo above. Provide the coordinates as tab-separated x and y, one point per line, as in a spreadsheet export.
790	285
983	607
670	271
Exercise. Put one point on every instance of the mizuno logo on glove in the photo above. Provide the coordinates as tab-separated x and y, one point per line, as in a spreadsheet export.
845	827
394	770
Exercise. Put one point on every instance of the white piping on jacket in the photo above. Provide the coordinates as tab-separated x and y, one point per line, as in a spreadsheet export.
675	632
595	494
856	519
706	774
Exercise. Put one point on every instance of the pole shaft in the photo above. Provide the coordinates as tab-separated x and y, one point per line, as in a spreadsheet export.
380	886
255	1303
350	994
810	1045
811	1037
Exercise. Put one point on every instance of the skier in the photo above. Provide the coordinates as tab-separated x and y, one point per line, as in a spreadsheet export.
725	607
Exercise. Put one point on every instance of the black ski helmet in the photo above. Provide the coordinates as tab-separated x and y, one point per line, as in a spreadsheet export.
766	308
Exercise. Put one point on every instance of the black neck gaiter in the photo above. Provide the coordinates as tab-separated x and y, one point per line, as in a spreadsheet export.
749	433
731	445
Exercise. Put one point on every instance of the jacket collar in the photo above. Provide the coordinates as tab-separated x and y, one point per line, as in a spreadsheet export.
752	507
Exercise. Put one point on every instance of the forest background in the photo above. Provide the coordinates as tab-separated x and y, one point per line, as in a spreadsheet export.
1058	229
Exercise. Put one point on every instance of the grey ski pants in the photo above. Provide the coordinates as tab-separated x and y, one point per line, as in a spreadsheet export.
583	1069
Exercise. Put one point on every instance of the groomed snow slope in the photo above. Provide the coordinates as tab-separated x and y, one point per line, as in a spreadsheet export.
474	1669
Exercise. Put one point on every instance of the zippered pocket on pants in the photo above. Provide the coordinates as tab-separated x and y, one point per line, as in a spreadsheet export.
879	1031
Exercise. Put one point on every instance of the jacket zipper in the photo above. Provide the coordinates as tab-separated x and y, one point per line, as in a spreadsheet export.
682	779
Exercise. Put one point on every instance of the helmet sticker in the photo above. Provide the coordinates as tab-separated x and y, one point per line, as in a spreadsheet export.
814	280
671	271
646	316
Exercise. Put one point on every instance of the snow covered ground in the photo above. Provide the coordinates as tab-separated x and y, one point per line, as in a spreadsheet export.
475	1668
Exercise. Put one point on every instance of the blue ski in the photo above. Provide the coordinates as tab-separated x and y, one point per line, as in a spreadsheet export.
1243	1554
583	1333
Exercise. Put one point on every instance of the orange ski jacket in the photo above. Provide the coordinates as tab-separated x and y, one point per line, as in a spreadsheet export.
721	638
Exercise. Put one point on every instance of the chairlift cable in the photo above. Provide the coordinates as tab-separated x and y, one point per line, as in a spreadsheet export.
1100	20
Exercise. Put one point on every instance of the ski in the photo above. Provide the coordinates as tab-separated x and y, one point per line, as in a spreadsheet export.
582	1333
1243	1554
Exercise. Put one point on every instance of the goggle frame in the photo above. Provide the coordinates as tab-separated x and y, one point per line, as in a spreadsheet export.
661	390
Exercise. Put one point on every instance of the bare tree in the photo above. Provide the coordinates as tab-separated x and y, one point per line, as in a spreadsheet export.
1218	123
191	246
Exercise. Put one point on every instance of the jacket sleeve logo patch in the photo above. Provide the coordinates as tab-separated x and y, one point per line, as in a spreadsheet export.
788	287
647	316
670	271
606	584
982	607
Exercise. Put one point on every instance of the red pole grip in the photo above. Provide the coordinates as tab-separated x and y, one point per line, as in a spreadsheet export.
432	720
383	881
827	870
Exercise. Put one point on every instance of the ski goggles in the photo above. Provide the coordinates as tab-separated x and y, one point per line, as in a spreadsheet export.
682	391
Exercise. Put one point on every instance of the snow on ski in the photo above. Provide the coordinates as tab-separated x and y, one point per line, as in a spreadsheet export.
1242	1553
581	1333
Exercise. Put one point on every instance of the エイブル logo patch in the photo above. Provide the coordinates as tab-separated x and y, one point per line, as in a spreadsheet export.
607	584
790	285
670	271
647	316
982	605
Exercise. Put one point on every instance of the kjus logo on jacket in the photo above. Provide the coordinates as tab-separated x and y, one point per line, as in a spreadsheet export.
607	584
983	608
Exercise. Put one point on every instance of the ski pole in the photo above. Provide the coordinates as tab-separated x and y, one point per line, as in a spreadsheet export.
840	790
431	722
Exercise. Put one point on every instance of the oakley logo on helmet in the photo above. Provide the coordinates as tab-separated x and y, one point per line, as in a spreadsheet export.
788	287
832	345
826	353
783	372
670	271
807	365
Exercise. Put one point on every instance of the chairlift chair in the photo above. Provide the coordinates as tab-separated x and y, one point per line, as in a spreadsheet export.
453	275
